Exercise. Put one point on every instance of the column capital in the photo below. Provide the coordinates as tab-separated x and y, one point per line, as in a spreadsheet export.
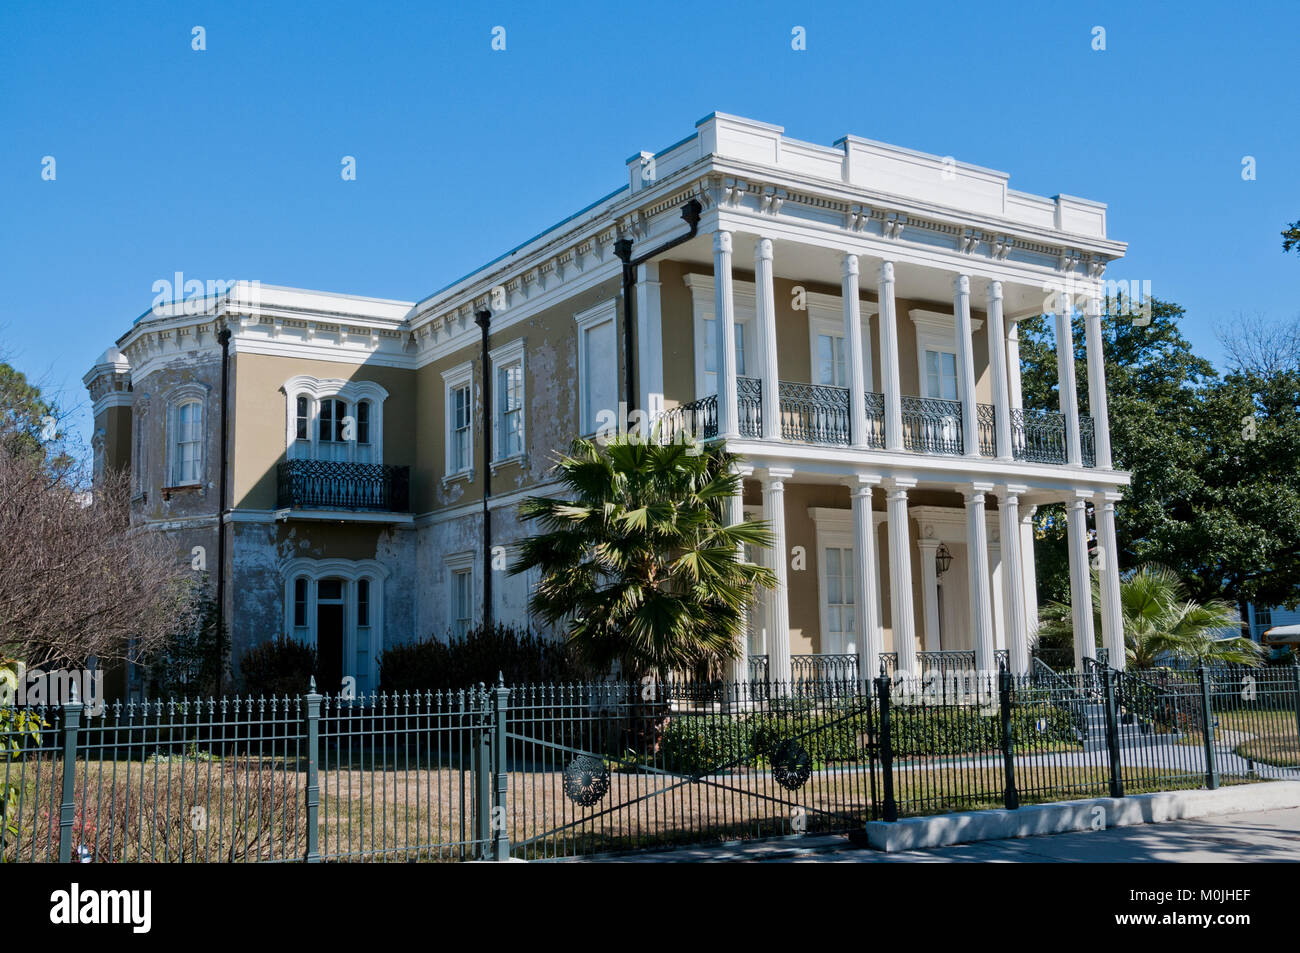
773	476
961	284
886	270
1107	498
862	482
742	469
722	242
899	483
763	249
995	290
975	495
979	486
850	263
1007	490
926	543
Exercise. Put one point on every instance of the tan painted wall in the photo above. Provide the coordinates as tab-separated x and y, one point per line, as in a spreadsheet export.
550	402
116	424
258	416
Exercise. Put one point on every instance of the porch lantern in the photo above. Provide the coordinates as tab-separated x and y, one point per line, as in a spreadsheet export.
942	559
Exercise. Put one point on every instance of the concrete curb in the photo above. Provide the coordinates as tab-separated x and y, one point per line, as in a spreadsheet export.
944	830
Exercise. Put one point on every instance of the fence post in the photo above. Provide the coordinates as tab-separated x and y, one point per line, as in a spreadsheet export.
886	750
1011	797
482	776
1207	732
1112	732
313	773
1295	678
67	806
500	704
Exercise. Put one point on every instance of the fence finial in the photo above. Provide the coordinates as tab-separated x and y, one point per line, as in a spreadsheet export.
501	679
312	687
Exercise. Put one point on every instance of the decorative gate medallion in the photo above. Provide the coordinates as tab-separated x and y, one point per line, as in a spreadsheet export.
791	765
586	780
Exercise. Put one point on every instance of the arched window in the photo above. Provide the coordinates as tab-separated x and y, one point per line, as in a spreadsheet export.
335	420
336	605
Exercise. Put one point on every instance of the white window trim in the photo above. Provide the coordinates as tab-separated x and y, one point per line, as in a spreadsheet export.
499	358
351	393
936	331
453	564
177	398
462	375
350	571
586	320
826	316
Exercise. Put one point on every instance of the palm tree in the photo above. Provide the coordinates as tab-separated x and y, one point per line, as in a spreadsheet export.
636	559
1160	622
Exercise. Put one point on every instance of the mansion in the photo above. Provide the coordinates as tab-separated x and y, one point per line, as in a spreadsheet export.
843	318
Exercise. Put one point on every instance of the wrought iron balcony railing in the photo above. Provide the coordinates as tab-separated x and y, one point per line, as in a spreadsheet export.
824	668
749	406
697	420
875	407
814	413
337	485
1088	440
987	421
1038	436
932	426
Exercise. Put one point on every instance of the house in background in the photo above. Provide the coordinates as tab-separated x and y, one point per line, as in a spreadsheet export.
843	317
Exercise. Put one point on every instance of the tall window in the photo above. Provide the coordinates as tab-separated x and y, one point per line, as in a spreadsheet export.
300	602
458	384
941	375
712	338
462	435
462	601
510	401
597	366
840	599
831	369
363	603
188	444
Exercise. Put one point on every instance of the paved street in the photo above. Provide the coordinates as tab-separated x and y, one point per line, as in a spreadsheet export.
1232	838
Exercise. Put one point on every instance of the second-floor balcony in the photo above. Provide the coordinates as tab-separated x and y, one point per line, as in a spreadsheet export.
820	414
343	486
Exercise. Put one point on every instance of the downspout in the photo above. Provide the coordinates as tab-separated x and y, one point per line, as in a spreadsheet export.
224	337
483	319
623	249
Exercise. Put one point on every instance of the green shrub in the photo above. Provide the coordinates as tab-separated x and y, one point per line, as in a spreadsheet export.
521	657
281	666
700	744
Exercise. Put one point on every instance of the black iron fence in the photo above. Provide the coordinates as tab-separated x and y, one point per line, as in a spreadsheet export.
563	770
340	485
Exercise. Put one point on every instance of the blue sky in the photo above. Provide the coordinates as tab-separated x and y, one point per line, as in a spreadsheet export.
225	163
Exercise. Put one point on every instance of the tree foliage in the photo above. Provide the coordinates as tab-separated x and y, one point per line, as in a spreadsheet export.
636	560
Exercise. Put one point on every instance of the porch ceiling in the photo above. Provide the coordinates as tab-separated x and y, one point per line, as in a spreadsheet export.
807	263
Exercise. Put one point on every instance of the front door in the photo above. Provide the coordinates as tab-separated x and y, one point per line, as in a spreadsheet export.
329	636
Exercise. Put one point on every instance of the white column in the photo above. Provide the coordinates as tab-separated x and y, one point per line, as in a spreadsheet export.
977	576
650	340
778	643
1028	558
740	664
1080	579
724	310
1067	388
853	343
901	616
891	382
1112	617
965	365
1013	366
926	549
866	612
1097	381
1013	578
995	587
998	368
765	305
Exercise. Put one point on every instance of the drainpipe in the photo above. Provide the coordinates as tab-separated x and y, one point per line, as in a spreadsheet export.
483	319
224	337
623	249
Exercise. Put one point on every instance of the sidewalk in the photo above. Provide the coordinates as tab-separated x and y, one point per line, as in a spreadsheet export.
1269	836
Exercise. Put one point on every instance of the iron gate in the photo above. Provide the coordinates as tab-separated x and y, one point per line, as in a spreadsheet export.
614	767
